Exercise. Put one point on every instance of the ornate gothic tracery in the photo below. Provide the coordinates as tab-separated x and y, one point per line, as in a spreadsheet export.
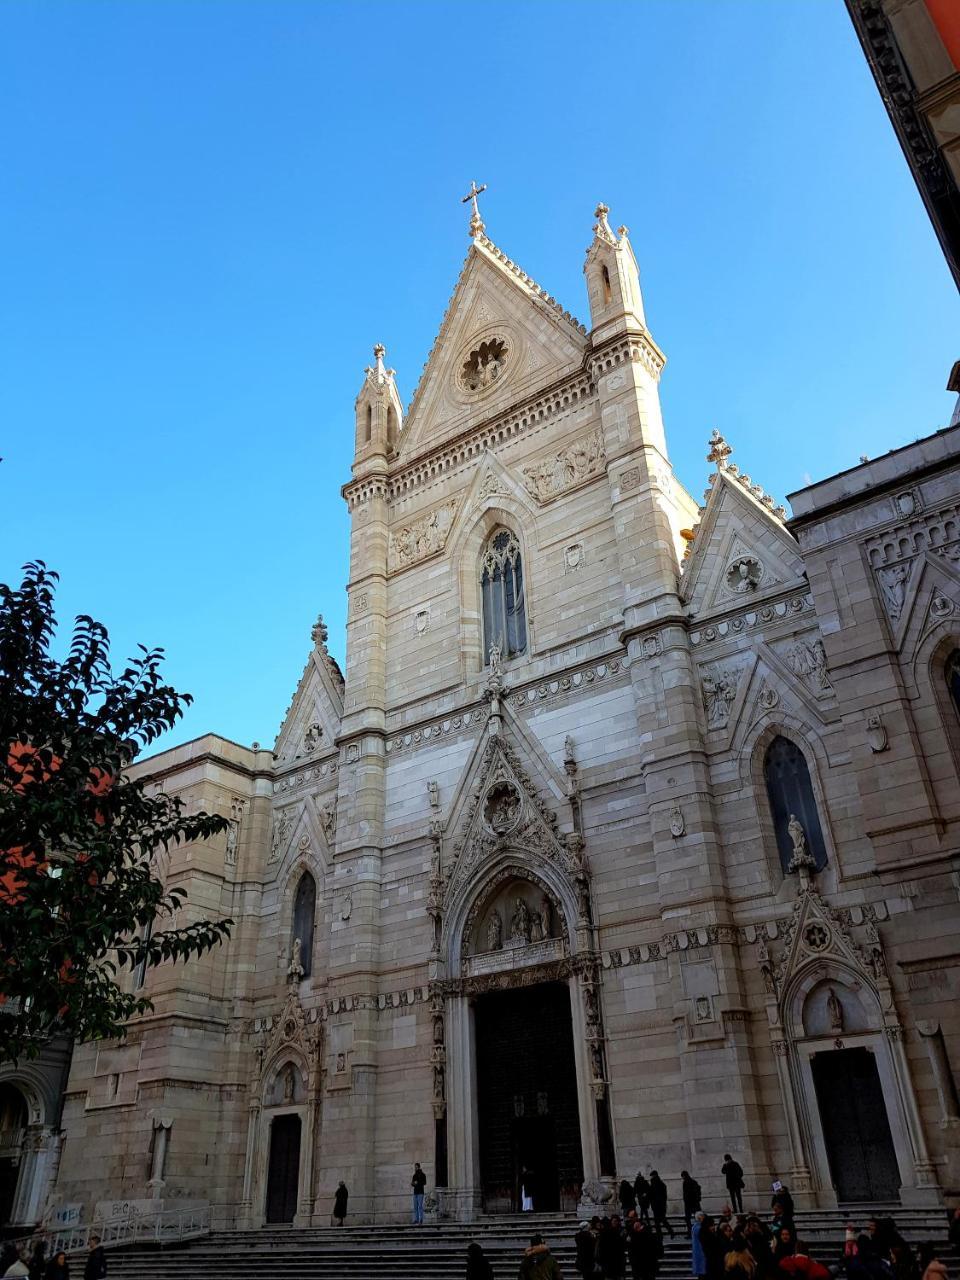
504	606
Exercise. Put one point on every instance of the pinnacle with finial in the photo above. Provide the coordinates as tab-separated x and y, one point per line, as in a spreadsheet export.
318	633
720	451
602	229
476	222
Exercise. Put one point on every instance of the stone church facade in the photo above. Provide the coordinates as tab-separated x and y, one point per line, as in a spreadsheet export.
628	838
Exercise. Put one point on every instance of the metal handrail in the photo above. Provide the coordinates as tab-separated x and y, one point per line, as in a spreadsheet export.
166	1227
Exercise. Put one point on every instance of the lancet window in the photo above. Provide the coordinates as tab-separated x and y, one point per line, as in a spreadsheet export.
304	911
793	802
952	673
501	585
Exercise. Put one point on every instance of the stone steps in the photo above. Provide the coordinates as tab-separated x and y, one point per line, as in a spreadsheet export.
437	1251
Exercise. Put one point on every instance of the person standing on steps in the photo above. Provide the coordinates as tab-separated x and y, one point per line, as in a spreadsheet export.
641	1188
340	1203
691	1197
538	1263
733	1176
478	1268
658	1204
418	1182
95	1267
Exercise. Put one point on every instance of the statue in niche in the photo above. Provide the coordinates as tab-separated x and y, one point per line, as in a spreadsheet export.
798	838
289	1083
295	967
520	923
834	1010
496	658
494	931
545	914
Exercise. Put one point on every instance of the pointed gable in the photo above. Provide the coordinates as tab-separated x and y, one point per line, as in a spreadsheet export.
741	550
312	721
502	339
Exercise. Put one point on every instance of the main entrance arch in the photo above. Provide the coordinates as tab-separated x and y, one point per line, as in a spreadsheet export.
522	1100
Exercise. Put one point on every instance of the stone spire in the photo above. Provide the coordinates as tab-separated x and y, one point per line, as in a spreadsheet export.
379	412
613	280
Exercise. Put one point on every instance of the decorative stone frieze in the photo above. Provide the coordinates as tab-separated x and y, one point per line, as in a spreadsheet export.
423	537
557	473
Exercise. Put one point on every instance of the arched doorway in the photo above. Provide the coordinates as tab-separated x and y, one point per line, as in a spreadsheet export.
522	1113
283	1169
13	1124
856	1129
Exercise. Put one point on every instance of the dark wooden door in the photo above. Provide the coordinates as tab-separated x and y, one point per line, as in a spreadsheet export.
283	1177
527	1102
855	1126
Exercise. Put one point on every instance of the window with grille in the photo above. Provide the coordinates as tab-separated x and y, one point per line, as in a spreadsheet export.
504	610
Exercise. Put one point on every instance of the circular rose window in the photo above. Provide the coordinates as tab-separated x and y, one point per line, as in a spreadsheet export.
484	365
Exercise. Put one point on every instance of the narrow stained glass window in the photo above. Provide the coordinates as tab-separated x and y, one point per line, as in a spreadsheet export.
504	610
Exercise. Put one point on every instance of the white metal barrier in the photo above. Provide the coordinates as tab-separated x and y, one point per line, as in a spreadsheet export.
168	1227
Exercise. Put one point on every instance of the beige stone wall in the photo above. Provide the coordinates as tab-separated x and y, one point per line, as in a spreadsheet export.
670	680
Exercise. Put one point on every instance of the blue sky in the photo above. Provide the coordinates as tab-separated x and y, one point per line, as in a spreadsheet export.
211	211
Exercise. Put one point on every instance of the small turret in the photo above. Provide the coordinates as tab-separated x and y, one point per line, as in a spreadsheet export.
613	280
379	412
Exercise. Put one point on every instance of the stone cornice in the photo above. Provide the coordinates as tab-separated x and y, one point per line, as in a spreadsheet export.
567	393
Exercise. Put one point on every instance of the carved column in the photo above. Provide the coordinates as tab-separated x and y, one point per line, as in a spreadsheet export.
932	1037
253	1125
801	1180
925	1173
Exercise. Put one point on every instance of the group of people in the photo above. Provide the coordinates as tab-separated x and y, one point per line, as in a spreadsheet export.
37	1266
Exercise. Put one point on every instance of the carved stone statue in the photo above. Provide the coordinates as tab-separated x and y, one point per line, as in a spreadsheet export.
568	756
433	791
295	967
545	917
494	931
281	829
289	1084
520	922
798	839
230	853
328	819
719	690
834	1010
496	658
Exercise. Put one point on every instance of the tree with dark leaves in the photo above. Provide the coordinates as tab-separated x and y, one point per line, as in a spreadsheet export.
80	897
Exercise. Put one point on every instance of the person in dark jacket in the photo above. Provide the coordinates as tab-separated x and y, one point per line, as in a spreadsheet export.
691	1197
641	1189
782	1194
611	1250
38	1260
627	1196
58	1268
658	1204
758	1242
340	1203
95	1266
478	1268
733	1176
643	1250
586	1243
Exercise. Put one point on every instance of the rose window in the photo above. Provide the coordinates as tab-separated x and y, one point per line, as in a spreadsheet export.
484	365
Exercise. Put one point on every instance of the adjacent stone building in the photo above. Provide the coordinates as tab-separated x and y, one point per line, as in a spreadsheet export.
629	837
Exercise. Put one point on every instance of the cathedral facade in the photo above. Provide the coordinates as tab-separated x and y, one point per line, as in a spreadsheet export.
627	839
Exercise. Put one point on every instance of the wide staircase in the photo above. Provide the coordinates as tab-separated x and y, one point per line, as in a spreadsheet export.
438	1251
